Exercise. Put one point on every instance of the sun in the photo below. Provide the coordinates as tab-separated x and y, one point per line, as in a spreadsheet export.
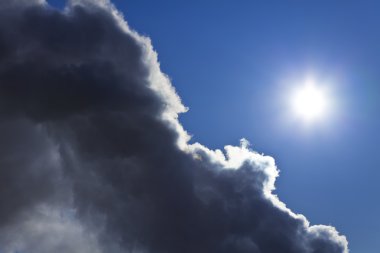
310	102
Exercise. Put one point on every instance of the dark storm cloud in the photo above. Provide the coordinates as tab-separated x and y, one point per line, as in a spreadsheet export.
93	158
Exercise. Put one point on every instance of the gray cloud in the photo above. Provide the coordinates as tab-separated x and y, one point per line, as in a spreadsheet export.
93	158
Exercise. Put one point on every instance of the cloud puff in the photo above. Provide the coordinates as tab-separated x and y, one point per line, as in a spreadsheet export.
93	158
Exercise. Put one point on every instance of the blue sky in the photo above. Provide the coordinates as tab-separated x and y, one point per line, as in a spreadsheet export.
232	61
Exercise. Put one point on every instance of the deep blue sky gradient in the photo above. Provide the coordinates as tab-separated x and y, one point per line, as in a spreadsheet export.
231	62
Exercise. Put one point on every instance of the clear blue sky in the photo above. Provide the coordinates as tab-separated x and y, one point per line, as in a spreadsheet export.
228	61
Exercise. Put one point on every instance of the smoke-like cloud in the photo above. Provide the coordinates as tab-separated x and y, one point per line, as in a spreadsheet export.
93	158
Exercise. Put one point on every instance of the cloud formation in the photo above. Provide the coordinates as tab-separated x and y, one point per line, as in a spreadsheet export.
94	159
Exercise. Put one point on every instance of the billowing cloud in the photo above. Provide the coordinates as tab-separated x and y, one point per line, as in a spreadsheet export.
93	158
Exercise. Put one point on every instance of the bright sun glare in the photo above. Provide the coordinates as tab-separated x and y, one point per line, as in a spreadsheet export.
310	102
